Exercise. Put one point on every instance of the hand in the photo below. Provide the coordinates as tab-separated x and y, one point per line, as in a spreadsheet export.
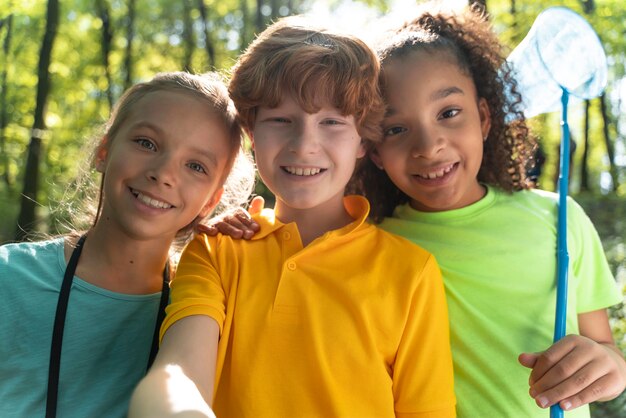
575	371
238	224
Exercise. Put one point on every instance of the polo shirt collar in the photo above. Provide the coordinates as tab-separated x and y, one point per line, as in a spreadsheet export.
357	207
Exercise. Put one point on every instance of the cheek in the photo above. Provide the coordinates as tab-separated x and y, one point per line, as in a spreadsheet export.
389	154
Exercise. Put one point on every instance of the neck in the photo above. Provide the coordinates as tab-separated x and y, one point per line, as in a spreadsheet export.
314	222
117	262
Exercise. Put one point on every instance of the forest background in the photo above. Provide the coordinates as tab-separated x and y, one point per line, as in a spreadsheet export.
63	64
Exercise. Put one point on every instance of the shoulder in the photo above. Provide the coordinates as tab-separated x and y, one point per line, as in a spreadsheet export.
398	247
32	263
534	203
29	251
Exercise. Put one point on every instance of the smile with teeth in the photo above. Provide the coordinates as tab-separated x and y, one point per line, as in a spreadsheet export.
300	171
431	175
148	201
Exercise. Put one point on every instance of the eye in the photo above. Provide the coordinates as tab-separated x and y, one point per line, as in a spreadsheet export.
449	113
146	143
394	130
197	167
332	122
279	120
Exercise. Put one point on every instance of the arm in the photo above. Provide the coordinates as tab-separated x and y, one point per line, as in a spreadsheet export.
578	369
180	382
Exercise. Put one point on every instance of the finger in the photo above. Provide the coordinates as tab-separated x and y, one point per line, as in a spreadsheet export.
575	384
600	389
206	229
257	204
528	359
231	231
564	369
553	355
244	218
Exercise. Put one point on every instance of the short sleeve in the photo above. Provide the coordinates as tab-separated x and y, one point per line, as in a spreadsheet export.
596	286
196	288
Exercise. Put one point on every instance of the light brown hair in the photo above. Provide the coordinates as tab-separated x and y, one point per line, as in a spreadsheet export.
315	66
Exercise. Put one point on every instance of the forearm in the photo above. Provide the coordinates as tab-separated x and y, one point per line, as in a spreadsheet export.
168	392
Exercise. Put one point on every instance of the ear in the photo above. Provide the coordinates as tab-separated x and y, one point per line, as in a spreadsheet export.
375	157
211	203
362	151
102	152
485	116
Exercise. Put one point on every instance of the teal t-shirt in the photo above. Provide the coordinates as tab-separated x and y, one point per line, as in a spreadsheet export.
106	342
498	260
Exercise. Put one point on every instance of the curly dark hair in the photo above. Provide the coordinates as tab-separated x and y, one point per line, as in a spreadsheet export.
467	36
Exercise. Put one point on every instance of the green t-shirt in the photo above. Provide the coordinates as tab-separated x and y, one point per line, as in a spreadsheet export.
498	259
106	341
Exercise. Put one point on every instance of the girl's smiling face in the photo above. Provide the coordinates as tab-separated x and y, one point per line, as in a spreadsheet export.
433	131
164	166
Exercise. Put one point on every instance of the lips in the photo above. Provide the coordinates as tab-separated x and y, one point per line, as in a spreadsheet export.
303	171
150	201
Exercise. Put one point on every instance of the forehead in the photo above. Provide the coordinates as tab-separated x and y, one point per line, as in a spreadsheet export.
168	100
177	115
421	71
311	105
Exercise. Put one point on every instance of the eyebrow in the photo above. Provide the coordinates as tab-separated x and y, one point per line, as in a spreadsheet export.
437	95
443	93
202	152
208	155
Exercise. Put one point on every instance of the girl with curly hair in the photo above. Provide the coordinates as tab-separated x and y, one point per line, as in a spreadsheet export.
450	175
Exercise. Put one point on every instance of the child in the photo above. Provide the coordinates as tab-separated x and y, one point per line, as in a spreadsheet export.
316	316
450	176
168	147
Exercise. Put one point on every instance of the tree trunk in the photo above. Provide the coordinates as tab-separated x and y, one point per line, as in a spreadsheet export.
260	20
274	4
208	43
607	142
130	36
244	35
4	116
26	218
514	25
584	164
107	37
589	6
188	38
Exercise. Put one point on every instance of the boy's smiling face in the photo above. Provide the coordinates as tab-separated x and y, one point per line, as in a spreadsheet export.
305	159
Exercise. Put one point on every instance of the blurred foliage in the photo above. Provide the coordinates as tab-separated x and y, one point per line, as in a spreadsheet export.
608	214
78	104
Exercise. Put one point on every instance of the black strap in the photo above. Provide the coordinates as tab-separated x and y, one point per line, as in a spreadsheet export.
59	324
57	331
165	296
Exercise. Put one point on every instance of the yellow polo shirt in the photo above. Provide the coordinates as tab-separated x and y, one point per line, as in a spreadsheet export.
353	325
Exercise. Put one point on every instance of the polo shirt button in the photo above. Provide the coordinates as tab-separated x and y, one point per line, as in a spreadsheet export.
286	235
291	265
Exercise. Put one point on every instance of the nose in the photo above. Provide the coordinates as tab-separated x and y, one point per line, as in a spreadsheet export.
427	145
305	140
162	171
